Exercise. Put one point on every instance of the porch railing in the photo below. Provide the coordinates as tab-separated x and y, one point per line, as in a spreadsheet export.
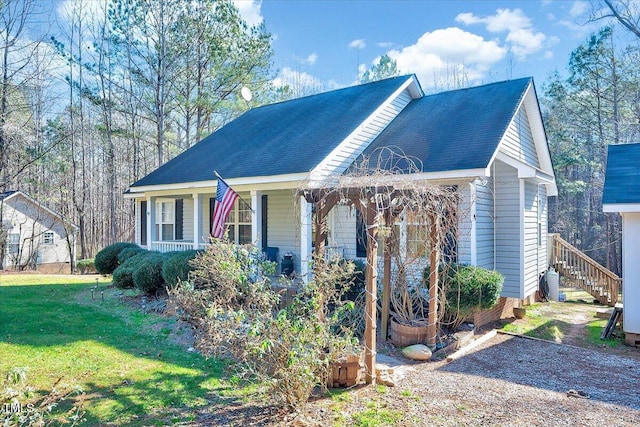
583	271
171	246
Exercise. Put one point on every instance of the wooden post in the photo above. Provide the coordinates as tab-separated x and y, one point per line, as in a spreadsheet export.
371	274
386	280
432	329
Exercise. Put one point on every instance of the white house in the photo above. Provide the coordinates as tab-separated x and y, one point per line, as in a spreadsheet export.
489	141
34	236
622	194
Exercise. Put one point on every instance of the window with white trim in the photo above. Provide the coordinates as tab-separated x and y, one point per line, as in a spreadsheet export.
165	220
47	238
13	243
239	223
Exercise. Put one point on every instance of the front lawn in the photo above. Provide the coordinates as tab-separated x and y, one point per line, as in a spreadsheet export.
127	362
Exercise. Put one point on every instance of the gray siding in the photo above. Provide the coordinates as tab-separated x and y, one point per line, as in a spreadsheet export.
351	148
283	224
484	225
342	231
465	222
518	140
137	215
187	218
543	206
507	223
531	250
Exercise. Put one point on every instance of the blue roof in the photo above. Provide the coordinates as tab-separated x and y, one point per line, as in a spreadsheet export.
454	130
276	139
622	179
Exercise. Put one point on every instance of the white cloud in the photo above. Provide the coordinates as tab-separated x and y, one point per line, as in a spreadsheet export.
311	59
357	44
299	82
250	10
579	8
385	45
439	54
521	36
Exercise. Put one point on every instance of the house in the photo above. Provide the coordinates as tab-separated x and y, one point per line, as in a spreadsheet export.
488	141
33	236
622	194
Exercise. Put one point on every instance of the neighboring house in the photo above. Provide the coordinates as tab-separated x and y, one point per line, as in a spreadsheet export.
622	194
34	236
489	141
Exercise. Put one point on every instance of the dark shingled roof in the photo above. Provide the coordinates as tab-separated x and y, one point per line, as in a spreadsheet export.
7	194
282	138
622	179
454	130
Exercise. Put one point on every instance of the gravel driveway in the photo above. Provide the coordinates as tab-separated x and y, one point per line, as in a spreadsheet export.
508	381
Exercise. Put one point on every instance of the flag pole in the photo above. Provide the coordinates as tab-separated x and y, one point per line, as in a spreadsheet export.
215	172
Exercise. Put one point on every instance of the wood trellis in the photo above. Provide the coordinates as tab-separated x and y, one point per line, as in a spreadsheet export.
379	206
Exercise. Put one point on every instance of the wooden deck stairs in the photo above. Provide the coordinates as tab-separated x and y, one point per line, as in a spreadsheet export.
583	272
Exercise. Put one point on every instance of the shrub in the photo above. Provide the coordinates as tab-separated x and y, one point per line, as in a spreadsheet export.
86	265
230	302
123	275
177	267
467	290
147	276
127	253
106	260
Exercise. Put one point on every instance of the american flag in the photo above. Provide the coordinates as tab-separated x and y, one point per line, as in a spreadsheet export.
225	198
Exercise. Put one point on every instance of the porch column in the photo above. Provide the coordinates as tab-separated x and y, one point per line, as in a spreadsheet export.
305	238
197	221
371	274
434	256
256	218
151	222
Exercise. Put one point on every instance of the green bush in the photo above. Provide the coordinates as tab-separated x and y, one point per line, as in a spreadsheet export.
147	276
106	260
177	266
127	253
123	275
468	289
86	265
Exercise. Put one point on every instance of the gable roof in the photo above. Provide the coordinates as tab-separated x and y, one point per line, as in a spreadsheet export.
15	193
277	139
622	178
454	130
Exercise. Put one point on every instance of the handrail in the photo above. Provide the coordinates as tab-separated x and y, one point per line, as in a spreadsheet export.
601	282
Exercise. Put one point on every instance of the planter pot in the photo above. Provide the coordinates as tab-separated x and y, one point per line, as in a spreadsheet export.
404	335
345	372
519	312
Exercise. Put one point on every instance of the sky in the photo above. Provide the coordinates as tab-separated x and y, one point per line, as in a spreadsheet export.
330	43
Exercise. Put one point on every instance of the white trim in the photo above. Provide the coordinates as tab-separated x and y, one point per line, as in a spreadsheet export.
291	179
256	218
435	178
306	251
621	207
521	188
39	205
197	220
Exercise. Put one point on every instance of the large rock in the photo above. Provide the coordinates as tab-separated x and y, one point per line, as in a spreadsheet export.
417	352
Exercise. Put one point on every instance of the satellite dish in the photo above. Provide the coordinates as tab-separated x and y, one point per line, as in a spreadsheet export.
246	93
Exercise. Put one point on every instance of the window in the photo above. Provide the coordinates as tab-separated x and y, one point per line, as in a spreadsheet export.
13	243
165	218
239	223
47	238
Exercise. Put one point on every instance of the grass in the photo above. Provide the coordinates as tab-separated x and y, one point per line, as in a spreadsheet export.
125	361
537	326
376	415
594	330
